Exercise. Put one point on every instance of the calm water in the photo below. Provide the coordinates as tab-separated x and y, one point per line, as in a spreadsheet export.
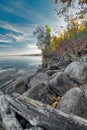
12	67
20	62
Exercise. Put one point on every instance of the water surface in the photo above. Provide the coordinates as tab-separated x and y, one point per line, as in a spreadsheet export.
14	66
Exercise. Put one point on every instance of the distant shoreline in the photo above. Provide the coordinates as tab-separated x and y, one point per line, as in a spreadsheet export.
22	55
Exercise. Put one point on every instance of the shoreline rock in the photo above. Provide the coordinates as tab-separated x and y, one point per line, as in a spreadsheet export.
62	84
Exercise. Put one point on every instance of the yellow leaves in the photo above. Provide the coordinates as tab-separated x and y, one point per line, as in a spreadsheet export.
68	34
61	36
74	21
72	32
56	40
81	28
55	103
54	43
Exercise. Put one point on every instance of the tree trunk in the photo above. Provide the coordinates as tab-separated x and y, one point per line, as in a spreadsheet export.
8	116
39	114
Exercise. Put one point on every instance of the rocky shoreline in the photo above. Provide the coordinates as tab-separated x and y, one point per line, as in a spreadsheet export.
54	98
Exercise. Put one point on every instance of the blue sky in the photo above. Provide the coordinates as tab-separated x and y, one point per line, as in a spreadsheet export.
18	20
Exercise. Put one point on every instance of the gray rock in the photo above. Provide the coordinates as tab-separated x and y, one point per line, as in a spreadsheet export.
40	93
8	116
55	65
17	85
82	58
28	78
84	89
44	65
64	63
36	128
40	78
74	102
1	126
44	116
51	72
60	83
54	58
52	64
77	71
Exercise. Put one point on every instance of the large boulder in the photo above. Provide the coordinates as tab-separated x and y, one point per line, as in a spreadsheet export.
53	66
77	71
38	79
40	93
51	72
20	86
64	63
74	102
84	89
60	83
1	126
36	128
16	85
82	58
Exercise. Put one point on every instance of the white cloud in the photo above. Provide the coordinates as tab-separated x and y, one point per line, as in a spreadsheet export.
33	46
16	33
5	41
8	26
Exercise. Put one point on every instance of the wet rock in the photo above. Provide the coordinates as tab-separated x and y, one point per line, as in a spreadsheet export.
39	78
60	83
74	102
77	71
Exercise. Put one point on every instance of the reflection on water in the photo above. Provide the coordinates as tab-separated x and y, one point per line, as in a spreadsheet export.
20	62
14	67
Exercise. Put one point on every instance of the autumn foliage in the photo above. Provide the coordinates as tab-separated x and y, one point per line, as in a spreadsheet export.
72	42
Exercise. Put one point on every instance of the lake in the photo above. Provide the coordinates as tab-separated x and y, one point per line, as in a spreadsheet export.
14	66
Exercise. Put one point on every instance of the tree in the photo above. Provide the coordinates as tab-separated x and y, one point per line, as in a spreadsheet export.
41	35
44	40
54	43
65	7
